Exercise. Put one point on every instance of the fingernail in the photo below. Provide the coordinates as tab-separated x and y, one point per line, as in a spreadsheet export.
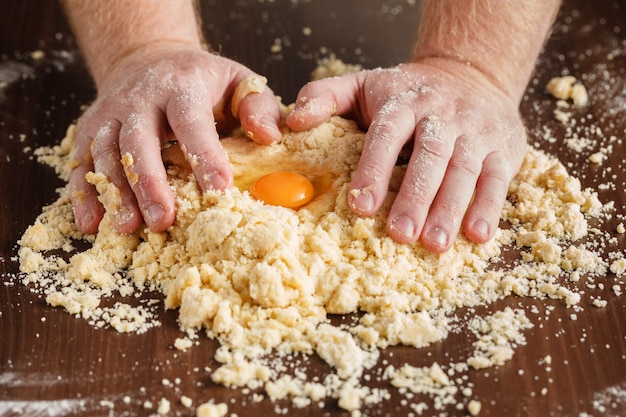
481	227
404	225
438	235
216	181
154	214
122	217
84	220
363	200
269	125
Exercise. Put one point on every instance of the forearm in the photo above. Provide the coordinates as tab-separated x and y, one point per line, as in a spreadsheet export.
500	38
107	30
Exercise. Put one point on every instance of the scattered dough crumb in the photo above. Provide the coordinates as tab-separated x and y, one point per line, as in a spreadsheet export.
331	67
596	157
164	407
38	55
566	88
618	267
473	407
212	410
186	401
182	343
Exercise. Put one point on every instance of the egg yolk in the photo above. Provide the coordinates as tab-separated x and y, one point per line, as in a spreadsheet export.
286	189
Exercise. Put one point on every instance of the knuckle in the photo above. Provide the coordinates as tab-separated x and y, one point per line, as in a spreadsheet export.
185	120
416	194
498	172
104	141
104	161
384	137
433	146
383	130
146	181
182	126
490	204
419	183
465	167
104	152
433	138
453	209
373	171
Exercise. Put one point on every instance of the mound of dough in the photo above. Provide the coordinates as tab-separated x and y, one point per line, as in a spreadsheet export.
263	280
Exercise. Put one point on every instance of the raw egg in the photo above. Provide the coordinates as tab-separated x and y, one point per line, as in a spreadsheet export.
284	188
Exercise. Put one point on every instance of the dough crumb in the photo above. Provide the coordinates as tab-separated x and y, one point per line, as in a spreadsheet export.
332	67
163	407
212	410
568	88
473	407
186	401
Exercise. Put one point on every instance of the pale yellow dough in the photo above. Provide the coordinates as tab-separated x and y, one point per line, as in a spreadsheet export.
263	279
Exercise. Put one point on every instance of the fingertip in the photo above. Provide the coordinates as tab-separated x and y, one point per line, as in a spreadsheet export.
87	210
403	229
483	215
264	130
159	217
87	221
155	200
127	220
216	181
436	239
259	115
203	151
361	201
293	122
309	112
213	173
479	231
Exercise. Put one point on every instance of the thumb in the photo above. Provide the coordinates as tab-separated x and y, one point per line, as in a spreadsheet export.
319	100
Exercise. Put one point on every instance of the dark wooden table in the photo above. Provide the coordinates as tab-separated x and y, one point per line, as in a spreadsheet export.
54	364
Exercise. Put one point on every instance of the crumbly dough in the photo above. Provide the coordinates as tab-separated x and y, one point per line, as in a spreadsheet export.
332	67
568	87
212	410
263	280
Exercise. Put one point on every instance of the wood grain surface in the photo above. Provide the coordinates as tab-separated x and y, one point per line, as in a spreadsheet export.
52	363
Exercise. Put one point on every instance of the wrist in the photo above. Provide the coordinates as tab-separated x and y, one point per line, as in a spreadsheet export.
138	55
460	66
107	32
501	39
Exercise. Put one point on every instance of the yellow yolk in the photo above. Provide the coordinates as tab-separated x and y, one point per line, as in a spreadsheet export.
286	189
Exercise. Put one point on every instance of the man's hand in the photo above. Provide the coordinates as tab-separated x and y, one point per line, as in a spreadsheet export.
161	92
467	141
